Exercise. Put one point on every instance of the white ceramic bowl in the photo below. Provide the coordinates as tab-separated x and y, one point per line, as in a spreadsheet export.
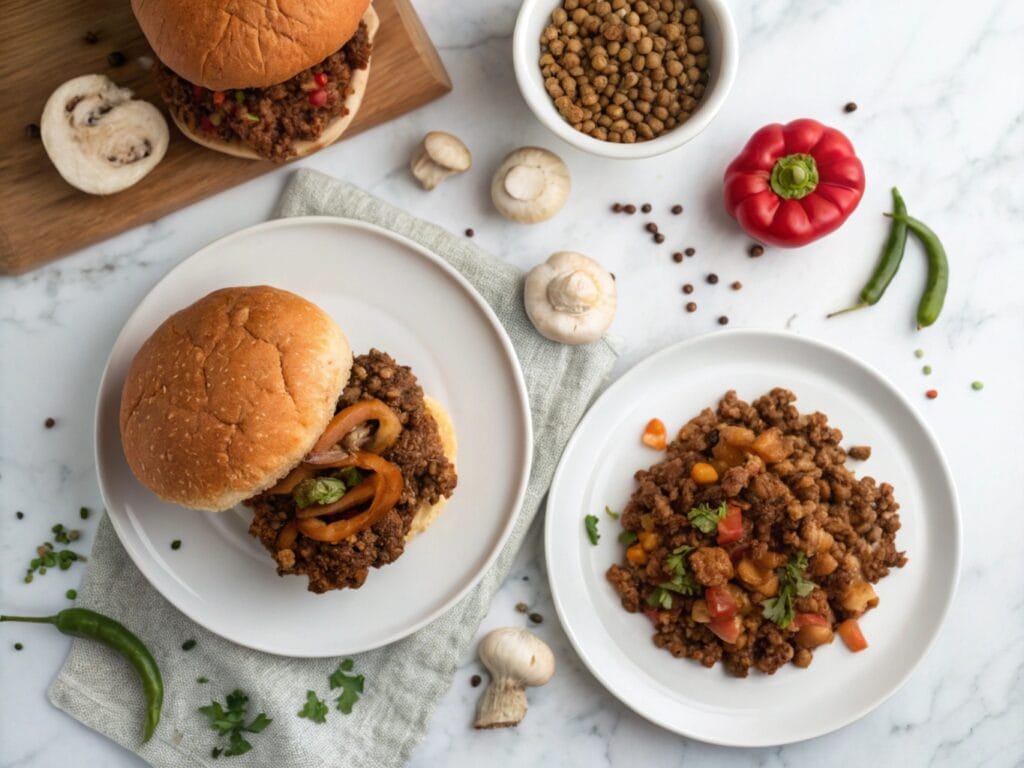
723	46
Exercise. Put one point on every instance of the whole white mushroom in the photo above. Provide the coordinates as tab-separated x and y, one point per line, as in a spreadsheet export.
439	156
516	659
570	298
531	185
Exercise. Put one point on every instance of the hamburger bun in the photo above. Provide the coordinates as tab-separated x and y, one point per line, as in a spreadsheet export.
332	132
428	513
229	394
252	44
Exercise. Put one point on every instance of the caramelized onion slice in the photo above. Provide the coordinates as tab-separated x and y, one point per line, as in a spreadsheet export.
292	479
287	535
347	419
361	494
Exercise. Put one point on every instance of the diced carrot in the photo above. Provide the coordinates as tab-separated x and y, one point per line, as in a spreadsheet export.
849	630
655	435
636	555
649	540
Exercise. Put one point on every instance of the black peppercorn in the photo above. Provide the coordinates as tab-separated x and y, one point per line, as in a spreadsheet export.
651	227
91	37
677	257
677	209
659	238
756	250
712	278
851	106
646	207
691	307
116	59
690	251
32	131
723	320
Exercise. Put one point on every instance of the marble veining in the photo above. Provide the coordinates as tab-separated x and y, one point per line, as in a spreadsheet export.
940	89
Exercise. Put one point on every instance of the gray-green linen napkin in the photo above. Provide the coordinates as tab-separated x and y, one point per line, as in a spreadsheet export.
405	680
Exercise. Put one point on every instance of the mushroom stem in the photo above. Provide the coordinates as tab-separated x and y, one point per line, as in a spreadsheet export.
573	293
503	704
524	182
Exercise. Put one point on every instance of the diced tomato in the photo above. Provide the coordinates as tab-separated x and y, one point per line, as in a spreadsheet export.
721	603
218	97
318	98
655	435
320	79
739	553
849	630
730	527
808	620
726	628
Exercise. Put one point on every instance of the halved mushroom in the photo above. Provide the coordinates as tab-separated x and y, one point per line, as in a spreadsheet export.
439	156
100	139
530	185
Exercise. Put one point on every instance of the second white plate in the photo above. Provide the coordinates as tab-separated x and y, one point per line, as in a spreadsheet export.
597	470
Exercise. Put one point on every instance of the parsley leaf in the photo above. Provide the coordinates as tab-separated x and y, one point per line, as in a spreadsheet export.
229	718
682	581
627	537
314	709
611	512
792	583
590	523
351	686
705	519
659	597
318	490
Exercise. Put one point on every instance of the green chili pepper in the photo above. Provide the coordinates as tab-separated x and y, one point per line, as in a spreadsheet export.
934	295
81	622
888	262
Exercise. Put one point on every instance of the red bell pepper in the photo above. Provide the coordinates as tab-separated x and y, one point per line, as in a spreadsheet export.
730	527
794	183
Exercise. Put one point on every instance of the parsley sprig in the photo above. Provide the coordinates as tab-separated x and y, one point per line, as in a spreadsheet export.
351	686
229	720
314	709
590	523
705	518
682	581
792	583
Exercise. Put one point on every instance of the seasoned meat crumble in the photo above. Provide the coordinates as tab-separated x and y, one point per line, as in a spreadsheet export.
428	477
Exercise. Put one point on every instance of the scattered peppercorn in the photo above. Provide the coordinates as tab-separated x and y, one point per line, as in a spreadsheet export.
659	238
756	251
723	320
918	353
651	227
677	257
687	288
475	680
851	106
527	578
712	278
977	386
690	251
32	131
522	607
116	59
20	515
470	232
50	423
736	285
71	594
84	513
927	370
630	209
91	37
616	207
677	209
691	307
18	646
536	618
646	207
176	544
931	394
188	645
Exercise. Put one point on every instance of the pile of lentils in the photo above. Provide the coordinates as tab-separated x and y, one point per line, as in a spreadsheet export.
624	70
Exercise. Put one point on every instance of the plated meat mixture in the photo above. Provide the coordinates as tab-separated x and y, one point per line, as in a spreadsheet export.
269	120
752	543
427	474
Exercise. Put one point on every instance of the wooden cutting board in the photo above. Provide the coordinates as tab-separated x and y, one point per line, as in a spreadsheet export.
44	43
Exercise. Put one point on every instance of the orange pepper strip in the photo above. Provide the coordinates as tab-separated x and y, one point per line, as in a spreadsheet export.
347	419
655	435
287	535
849	630
292	479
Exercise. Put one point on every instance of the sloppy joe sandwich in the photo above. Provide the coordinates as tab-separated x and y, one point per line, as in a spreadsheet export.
261	78
252	395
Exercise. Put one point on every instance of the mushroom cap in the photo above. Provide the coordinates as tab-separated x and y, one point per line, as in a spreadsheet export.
448	151
531	185
570	298
517	653
100	139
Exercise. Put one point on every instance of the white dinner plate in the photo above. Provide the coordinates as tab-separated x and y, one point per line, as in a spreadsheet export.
386	292
793	704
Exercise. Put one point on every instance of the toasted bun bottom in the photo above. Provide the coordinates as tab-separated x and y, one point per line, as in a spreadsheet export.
332	132
428	513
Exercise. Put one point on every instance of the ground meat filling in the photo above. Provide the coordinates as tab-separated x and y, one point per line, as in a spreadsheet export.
802	500
418	453
270	120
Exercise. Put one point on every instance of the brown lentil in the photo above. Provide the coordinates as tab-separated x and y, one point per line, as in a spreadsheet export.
651	227
756	250
736	285
712	278
723	320
624	71
659	238
630	209
50	423
691	307
617	208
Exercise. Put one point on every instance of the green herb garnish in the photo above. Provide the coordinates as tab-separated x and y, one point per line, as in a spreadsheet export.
188	645
84	513
319	490
48	557
660	598
792	584
314	709
71	594
590	523
202	679
231	722
611	512
705	518
627	537
682	581
176	544
251	117
350	476
240	96
351	686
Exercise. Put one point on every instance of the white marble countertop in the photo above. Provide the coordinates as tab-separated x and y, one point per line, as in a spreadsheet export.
940	90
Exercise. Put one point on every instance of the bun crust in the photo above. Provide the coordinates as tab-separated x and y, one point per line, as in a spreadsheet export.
229	394
251	44
428	513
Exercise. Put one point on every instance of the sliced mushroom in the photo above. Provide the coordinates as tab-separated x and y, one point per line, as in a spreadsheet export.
530	185
100	139
570	298
439	156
